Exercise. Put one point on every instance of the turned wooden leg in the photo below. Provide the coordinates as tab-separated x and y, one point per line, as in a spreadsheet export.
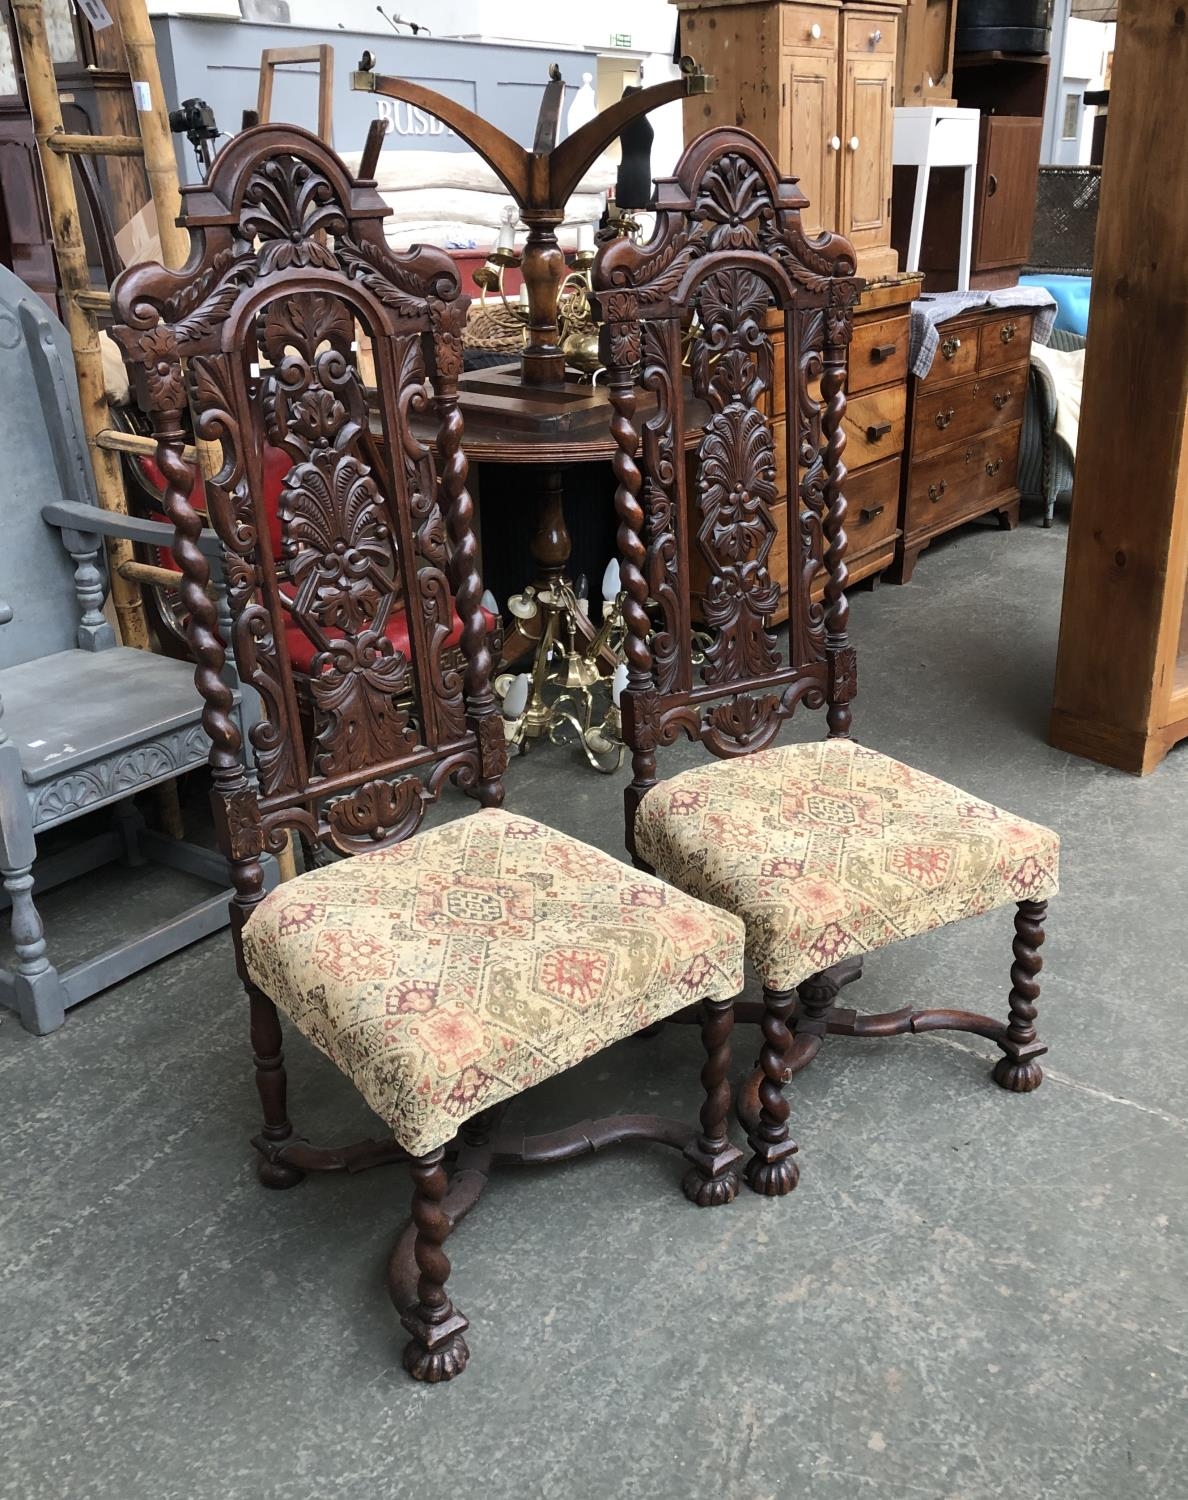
269	1057
771	1170
436	1351
712	1179
37	988
1019	1069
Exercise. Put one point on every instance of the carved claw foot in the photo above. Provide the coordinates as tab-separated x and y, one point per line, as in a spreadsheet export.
710	1192
772	1179
443	1362
1019	1077
278	1174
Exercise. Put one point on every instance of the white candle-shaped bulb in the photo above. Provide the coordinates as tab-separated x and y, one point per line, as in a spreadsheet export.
585	237
507	229
515	700
610	581
523	296
490	603
618	682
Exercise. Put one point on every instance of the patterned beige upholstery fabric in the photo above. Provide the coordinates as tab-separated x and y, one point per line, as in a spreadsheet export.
829	849
450	972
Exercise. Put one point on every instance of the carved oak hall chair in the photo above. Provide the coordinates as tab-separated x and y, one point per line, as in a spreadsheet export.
447	970
827	850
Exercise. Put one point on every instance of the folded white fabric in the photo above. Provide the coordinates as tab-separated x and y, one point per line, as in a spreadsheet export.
1066	370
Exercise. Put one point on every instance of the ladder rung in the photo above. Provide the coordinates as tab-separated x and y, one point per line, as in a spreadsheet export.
97	299
95	145
131	442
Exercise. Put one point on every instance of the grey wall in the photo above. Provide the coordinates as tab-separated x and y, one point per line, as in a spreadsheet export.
219	61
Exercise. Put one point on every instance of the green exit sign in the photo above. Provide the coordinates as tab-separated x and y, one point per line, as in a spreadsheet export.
620	39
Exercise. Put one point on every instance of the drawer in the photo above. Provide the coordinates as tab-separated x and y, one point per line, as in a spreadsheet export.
1005	340
872	514
959	411
808	27
956	355
961	480
872	506
870	35
874	425
878	354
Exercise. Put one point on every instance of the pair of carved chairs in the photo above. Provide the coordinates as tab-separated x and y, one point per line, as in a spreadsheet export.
447	970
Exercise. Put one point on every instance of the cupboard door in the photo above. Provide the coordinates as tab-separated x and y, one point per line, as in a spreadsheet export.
866	150
1008	174
810	124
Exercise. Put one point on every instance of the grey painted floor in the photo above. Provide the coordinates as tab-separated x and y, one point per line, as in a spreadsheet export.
970	1295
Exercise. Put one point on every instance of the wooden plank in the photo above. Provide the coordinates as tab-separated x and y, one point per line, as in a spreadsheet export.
1124	582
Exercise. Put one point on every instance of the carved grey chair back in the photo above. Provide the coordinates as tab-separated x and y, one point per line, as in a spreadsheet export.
43	461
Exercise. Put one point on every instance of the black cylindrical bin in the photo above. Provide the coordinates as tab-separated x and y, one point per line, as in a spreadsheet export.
1003	25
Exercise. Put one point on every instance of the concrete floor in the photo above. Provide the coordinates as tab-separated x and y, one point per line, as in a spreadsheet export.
970	1295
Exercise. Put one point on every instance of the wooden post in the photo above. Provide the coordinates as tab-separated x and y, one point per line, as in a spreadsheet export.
75	277
1122	670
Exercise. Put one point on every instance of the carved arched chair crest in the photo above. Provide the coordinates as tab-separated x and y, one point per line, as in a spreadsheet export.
257	336
729	260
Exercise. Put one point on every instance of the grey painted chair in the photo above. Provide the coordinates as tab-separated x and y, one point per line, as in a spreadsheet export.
84	723
1045	459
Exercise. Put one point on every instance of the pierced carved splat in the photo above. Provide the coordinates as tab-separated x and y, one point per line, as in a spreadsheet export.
367	560
728	250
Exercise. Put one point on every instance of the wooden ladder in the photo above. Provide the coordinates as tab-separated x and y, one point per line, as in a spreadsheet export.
83	302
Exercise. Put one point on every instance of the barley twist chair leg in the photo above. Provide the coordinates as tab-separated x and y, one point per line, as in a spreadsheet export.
1019	1069
712	1179
436	1351
771	1170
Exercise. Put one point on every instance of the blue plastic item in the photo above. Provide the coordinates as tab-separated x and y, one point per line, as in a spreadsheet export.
1072	298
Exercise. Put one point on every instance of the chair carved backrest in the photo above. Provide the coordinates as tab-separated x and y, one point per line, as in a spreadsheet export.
728	259
257	333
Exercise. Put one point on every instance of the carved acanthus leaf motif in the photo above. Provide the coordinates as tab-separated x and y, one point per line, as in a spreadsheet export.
360	688
200	306
376	812
164	383
291	208
732	195
365	264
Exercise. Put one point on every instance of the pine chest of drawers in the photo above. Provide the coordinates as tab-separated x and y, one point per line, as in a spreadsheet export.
963	424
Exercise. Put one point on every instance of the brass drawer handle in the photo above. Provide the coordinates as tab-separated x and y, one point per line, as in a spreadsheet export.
882	352
1000	399
869	512
935	491
1007	332
877	434
950	346
943	418
993	467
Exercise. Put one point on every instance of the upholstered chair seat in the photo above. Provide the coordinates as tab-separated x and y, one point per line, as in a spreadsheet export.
449	973
830	850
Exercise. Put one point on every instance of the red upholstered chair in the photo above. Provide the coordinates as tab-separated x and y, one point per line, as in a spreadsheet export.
828	850
443	971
